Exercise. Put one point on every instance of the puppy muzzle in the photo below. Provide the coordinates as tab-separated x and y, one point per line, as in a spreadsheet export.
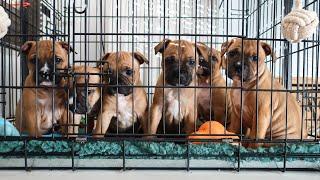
184	78
204	69
47	79
203	72
80	106
123	86
238	70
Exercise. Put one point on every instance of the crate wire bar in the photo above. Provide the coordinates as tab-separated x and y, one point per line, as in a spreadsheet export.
96	27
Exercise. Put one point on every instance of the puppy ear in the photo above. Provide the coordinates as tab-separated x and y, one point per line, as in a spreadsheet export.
102	60
105	57
140	57
66	46
203	50
25	48
225	46
223	62
162	46
268	50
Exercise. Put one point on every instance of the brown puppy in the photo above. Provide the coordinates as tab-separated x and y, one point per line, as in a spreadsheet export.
218	95
122	105
84	95
36	112
271	122
179	61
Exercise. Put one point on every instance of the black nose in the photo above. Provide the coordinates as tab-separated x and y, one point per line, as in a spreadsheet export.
183	79
183	76
180	73
44	75
183	71
238	67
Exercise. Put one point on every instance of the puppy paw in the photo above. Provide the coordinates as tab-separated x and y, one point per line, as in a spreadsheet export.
149	137
98	136
252	145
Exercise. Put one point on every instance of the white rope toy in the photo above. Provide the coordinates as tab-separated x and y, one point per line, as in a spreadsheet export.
5	22
299	24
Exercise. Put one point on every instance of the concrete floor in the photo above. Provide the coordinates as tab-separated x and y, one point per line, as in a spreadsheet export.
154	175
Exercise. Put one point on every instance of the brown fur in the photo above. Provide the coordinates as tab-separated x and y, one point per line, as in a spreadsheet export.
219	96
34	113
263	129
92	98
137	100
183	51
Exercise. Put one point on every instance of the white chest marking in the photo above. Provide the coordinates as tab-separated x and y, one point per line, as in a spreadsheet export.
48	117
126	116
173	106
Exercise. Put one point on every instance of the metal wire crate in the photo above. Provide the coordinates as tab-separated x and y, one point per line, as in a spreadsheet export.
96	27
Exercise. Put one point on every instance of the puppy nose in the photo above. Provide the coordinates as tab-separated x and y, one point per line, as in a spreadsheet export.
183	71
183	79
179	73
238	64
238	67
44	75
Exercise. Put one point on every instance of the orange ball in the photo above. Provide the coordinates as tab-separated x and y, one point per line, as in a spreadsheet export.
212	127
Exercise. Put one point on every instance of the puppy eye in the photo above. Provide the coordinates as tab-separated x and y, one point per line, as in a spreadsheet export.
213	58
254	58
192	62
58	60
90	91
204	63
34	61
232	54
129	72
201	60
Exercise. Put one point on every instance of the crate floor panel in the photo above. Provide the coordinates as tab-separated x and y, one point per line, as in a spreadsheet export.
151	163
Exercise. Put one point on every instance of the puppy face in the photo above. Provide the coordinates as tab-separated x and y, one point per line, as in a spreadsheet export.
179	60
85	91
253	55
42	58
204	70
122	70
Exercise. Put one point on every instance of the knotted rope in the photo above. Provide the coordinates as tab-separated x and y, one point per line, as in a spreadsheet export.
5	22
299	24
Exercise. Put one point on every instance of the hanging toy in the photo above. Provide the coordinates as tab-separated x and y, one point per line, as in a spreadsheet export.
299	24
5	22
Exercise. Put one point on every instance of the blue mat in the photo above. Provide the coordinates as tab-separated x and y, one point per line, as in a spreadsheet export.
162	150
145	150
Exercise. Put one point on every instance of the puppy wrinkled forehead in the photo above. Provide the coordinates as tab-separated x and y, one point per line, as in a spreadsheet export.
121	59
45	49
89	74
180	47
249	46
